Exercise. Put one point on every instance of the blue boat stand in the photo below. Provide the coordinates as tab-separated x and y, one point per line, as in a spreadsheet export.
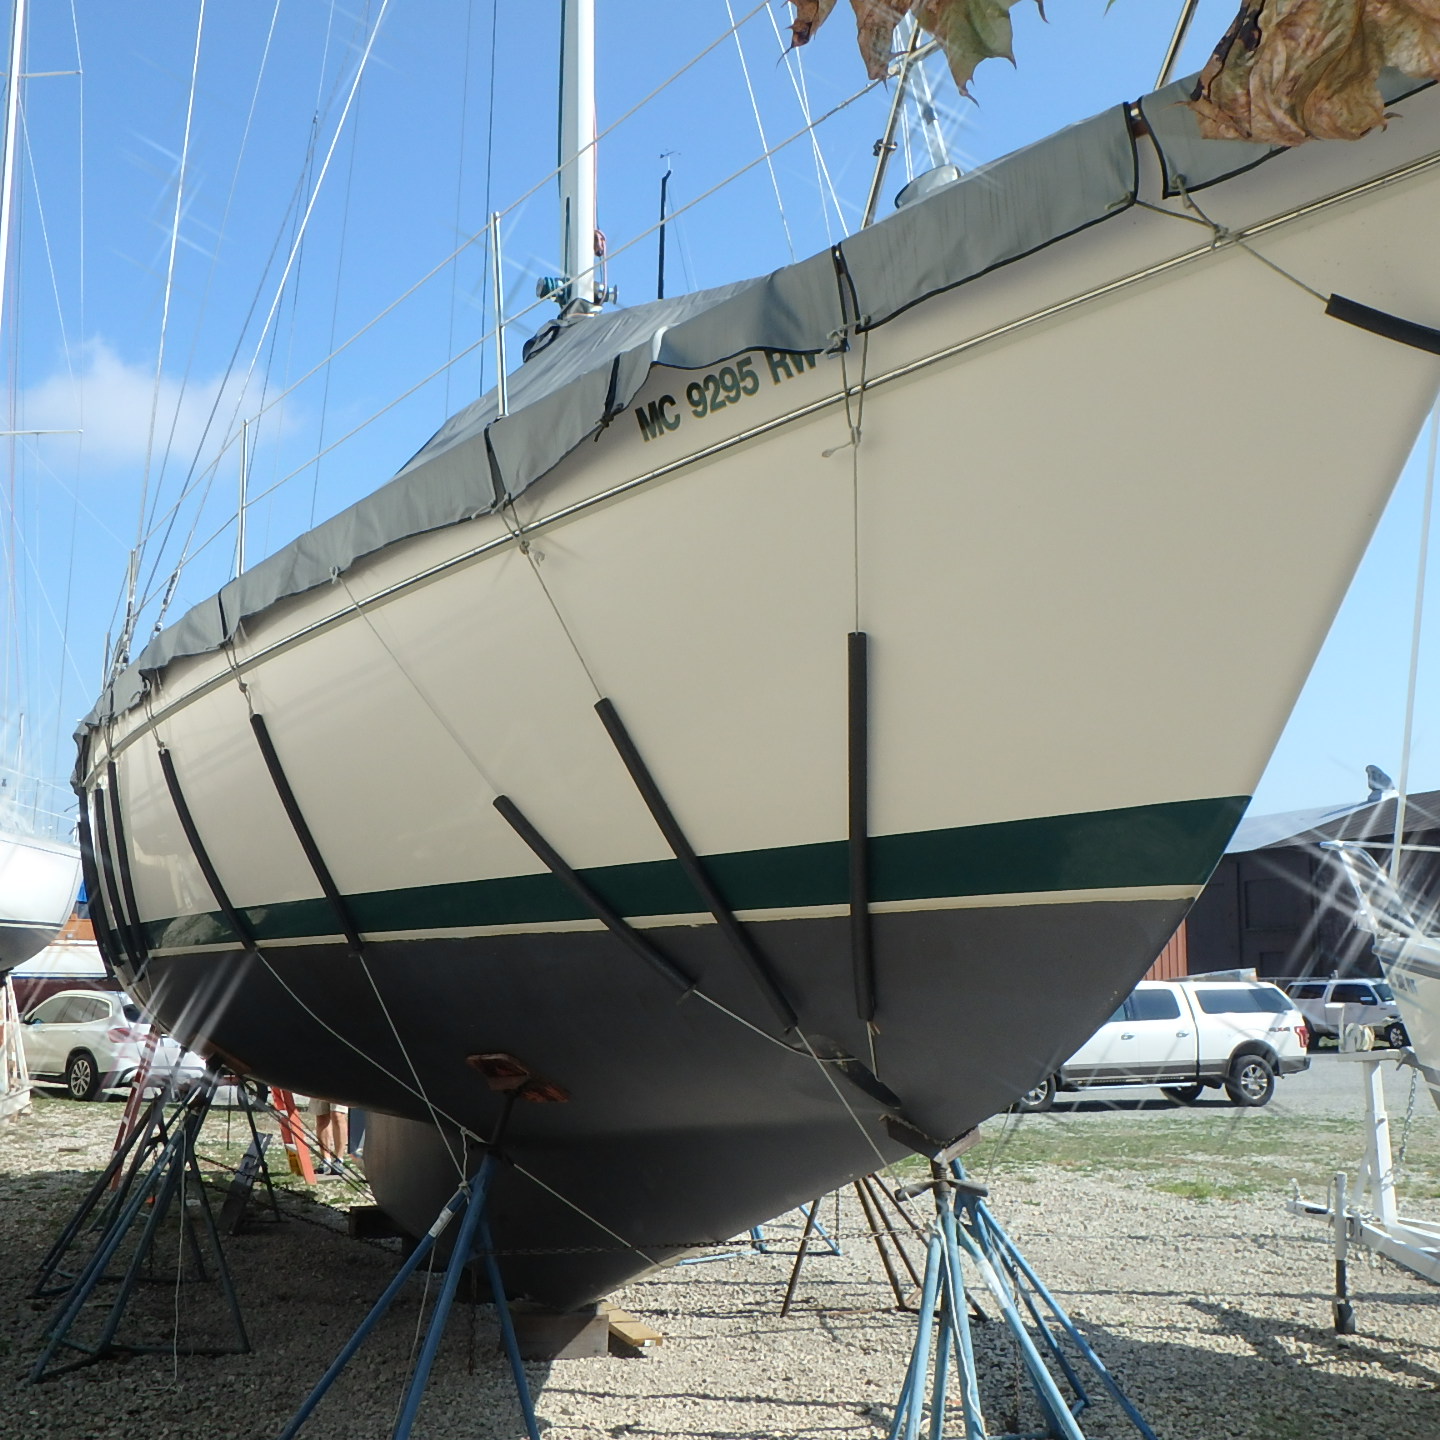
964	1230
468	1202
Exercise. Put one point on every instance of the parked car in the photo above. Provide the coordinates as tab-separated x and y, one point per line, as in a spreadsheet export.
1330	1005
92	1041
1187	1036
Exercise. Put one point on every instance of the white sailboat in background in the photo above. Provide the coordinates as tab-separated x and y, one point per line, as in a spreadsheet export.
716	733
39	863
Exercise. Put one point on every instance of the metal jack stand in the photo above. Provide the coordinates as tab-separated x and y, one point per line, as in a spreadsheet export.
469	1201
1372	1218
148	1199
870	1191
964	1230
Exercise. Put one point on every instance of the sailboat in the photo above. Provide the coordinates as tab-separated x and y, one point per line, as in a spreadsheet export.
39	863
769	731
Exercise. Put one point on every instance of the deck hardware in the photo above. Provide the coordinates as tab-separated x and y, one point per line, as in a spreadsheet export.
862	956
611	919
739	938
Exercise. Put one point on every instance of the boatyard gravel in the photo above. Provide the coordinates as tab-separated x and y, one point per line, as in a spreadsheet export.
1214	1313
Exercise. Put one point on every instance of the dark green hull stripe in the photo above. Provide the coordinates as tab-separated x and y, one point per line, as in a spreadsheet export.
1177	843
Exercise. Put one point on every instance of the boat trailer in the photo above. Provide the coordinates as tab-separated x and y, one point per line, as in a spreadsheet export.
1369	1216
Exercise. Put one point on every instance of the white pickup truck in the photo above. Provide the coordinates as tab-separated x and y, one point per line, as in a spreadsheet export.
1187	1036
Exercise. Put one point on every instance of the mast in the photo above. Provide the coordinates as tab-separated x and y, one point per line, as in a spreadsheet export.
12	126
577	151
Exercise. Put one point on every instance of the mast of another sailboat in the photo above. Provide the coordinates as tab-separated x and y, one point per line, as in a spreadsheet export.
577	154
12	126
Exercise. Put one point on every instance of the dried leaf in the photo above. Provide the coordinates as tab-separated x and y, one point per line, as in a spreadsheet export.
809	17
875	21
1294	70
969	31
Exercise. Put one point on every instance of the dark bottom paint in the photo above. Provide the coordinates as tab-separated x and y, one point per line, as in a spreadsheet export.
682	1126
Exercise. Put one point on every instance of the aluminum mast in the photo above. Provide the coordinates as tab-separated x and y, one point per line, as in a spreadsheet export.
577	151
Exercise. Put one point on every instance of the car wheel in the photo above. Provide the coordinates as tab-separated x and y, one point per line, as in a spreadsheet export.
1396	1036
1037	1099
1184	1094
1251	1080
82	1079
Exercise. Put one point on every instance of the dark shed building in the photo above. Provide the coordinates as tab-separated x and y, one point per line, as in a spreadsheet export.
1277	905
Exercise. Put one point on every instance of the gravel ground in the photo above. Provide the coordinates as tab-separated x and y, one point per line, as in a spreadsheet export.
1213	1312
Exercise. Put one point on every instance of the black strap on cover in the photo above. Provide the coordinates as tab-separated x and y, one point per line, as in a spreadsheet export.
130	912
302	833
241	930
1381	322
862	957
100	889
730	927
615	923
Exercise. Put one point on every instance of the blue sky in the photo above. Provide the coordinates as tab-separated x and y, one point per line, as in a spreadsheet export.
426	148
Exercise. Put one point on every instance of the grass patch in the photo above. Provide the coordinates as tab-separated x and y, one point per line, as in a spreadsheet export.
1205	1154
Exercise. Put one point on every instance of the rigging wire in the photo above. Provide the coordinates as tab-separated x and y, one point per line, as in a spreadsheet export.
508	210
760	127
1402	790
459	187
281	284
489	174
132	579
489	334
795	68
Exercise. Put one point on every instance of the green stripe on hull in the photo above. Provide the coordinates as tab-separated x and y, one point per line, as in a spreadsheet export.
1171	844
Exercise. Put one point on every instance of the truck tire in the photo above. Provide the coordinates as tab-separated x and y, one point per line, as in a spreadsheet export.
1038	1099
1395	1035
1251	1081
1184	1094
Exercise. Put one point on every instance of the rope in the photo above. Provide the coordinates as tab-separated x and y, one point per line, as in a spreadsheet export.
1415	629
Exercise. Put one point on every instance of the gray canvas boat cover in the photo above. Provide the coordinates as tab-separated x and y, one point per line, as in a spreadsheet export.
581	373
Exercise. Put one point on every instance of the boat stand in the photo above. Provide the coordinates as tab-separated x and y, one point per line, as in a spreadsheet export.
870	1191
1371	1218
469	1202
14	1077
964	1230
144	1199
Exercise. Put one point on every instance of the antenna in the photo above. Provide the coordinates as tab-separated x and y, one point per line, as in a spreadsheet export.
664	191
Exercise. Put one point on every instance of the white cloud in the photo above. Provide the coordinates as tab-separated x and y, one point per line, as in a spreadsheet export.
112	399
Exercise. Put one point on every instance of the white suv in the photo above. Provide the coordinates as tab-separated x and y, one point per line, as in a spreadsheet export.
1187	1036
93	1040
1330	1005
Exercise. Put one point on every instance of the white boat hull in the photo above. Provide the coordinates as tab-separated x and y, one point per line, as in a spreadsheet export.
38	883
1102	508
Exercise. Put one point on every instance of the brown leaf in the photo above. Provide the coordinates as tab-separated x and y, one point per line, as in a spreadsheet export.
875	22
1294	70
809	17
969	31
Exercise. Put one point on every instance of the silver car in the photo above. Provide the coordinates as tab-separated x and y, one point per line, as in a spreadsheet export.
93	1041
